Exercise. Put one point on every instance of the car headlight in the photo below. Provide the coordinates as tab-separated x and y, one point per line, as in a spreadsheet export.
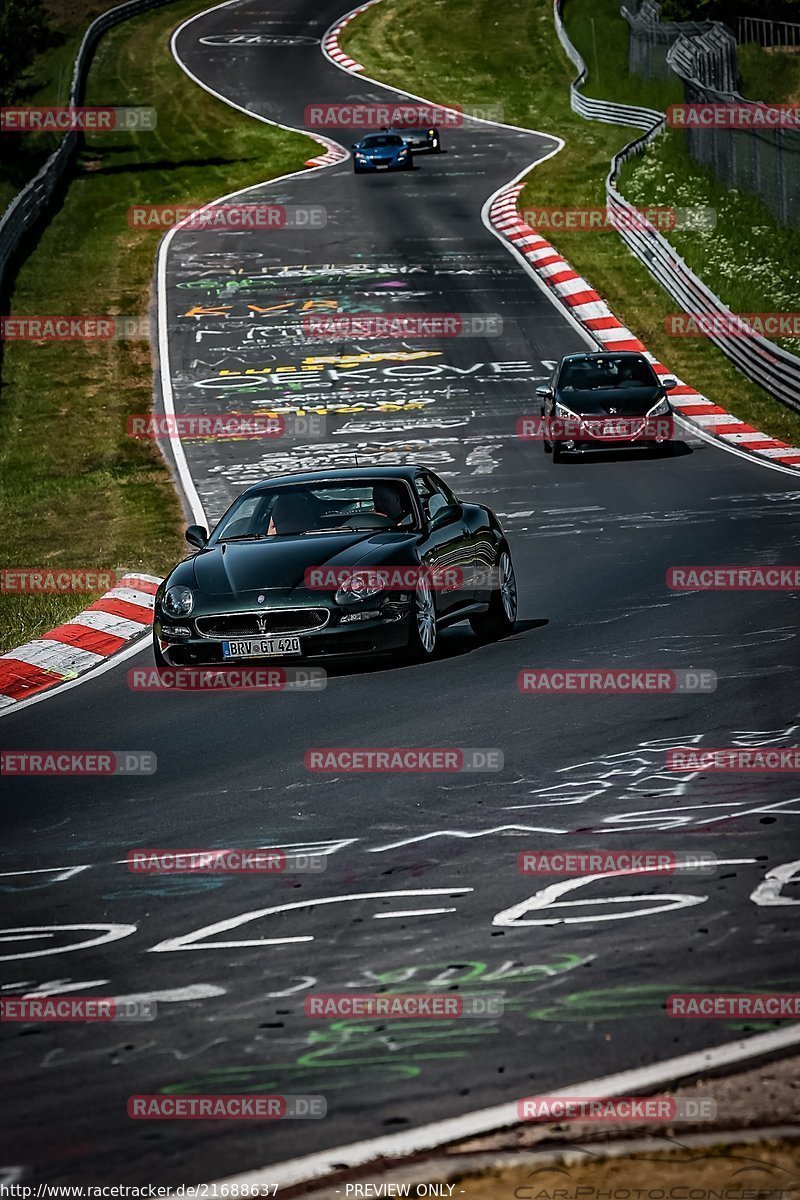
403	151
361	585
178	601
360	155
660	409
564	413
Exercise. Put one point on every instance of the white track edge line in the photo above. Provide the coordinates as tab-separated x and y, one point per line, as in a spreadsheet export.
314	1167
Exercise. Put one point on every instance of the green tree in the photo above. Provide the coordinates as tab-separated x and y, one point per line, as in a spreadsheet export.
24	33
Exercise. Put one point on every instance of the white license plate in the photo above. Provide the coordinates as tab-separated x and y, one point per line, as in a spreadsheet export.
261	647
382	166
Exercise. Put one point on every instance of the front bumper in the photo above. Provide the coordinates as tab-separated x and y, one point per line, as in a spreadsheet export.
368	627
397	164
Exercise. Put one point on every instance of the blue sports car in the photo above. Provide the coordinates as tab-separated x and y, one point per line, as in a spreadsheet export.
382	152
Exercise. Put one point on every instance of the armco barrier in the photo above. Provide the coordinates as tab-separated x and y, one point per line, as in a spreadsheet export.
768	365
601	110
28	206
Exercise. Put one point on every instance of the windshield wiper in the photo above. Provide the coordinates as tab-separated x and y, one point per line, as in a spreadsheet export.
243	537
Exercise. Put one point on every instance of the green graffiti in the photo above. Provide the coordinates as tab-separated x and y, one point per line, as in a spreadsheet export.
391	1049
638	1000
447	975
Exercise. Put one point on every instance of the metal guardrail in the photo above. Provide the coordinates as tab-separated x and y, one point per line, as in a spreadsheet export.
599	110
768	365
766	32
29	205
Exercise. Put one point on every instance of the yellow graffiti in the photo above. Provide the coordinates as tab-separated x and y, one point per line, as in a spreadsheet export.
352	360
340	361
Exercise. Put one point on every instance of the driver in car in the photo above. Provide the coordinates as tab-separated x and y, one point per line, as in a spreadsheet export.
292	512
389	501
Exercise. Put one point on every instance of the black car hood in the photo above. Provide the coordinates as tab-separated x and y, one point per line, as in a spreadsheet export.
234	568
602	402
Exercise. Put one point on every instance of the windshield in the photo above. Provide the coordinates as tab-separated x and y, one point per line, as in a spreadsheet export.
594	374
387	139
319	508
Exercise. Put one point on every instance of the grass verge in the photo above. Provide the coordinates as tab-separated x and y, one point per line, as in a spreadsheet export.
477	52
75	491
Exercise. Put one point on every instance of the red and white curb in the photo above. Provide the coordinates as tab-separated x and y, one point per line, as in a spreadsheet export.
597	318
118	618
330	43
333	154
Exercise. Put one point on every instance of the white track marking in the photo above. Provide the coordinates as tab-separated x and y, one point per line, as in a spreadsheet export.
58	873
190	941
193	991
109	933
769	893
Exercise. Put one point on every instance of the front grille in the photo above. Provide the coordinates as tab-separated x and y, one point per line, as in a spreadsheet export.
257	624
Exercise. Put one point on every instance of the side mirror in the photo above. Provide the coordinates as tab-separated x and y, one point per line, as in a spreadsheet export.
668	383
544	392
196	535
443	516
352	145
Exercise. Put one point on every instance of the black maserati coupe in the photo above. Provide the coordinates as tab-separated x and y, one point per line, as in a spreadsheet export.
337	562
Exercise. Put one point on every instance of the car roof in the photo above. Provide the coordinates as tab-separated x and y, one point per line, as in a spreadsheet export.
333	473
594	354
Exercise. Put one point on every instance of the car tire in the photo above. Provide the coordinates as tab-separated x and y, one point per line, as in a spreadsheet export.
558	453
501	616
423	634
